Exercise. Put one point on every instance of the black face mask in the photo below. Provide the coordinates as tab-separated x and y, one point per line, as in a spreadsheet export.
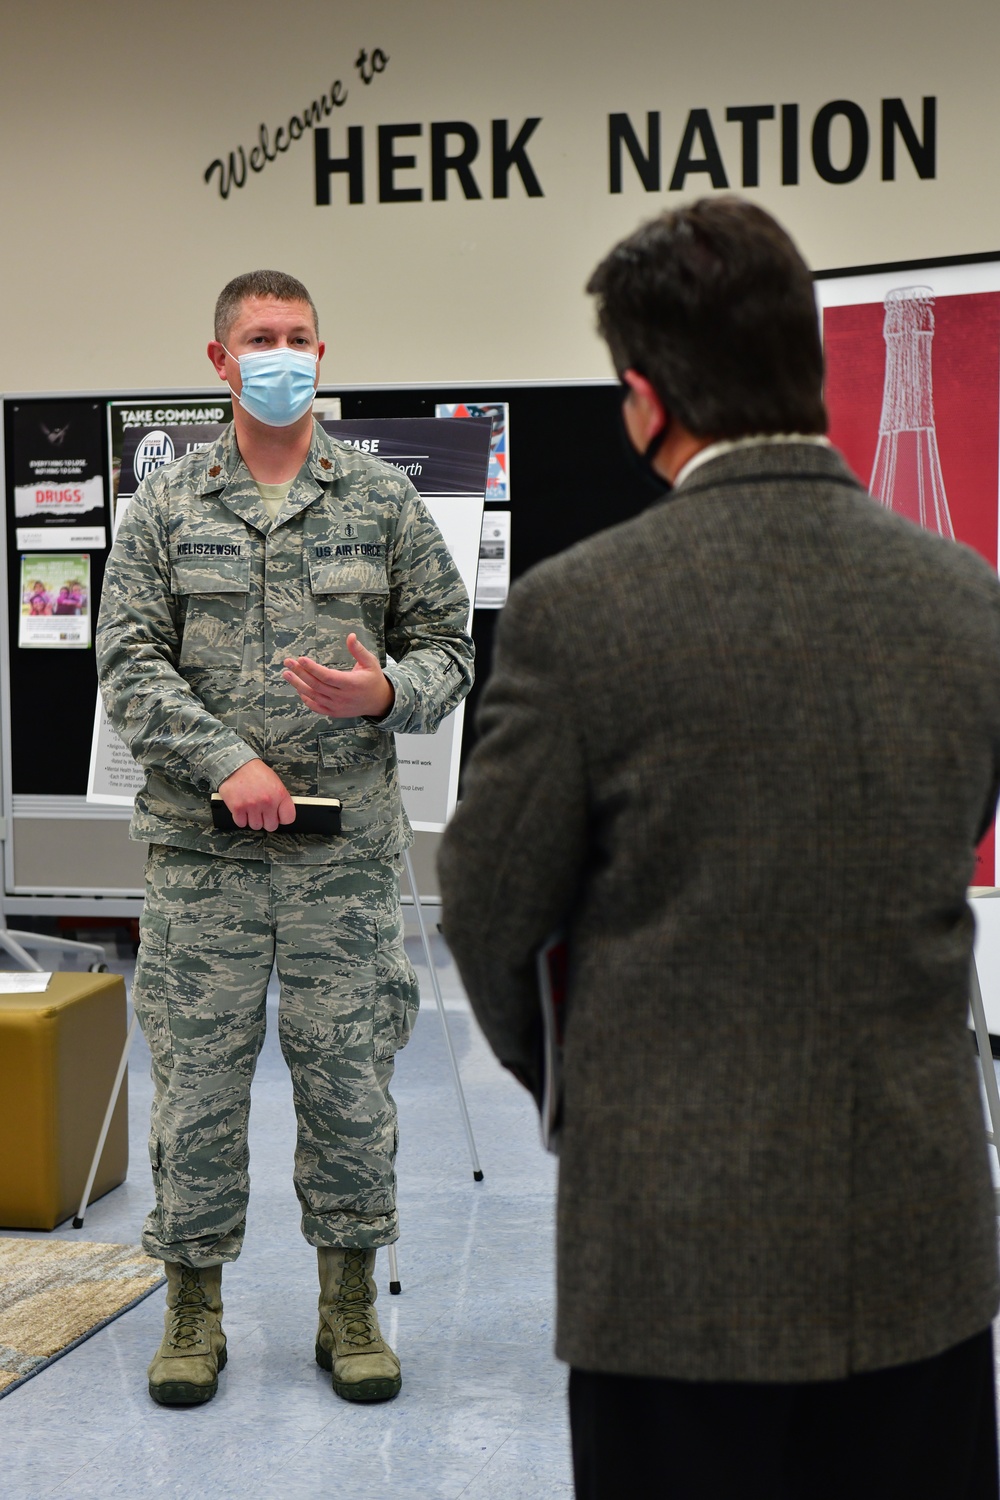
642	463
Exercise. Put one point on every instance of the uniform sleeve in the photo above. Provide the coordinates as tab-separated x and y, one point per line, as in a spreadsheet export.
426	629
164	724
512	857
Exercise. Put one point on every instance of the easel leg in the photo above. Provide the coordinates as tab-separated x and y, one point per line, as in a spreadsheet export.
16	951
94	951
477	1171
115	1091
394	1286
985	1059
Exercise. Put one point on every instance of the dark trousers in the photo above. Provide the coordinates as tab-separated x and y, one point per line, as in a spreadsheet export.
923	1431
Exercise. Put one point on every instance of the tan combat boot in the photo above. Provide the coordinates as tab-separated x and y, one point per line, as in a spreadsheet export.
186	1369
349	1343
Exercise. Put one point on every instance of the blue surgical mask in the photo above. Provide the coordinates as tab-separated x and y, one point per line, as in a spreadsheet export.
278	384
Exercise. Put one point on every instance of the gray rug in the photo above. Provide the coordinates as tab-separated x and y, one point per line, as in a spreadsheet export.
56	1293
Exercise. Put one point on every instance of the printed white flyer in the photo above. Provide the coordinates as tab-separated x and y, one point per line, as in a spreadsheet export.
114	776
493	582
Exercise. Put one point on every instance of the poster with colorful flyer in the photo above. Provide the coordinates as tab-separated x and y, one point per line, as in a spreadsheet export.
55	600
498	478
913	397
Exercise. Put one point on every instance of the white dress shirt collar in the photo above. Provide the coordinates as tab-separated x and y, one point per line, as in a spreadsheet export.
730	445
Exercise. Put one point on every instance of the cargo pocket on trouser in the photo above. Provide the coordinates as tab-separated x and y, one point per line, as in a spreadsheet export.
397	997
149	992
149	997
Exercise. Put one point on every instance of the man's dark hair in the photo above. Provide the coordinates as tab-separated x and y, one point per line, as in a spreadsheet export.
714	305
257	284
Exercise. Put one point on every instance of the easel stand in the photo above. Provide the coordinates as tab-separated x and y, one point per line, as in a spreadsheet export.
986	1064
477	1171
975	1003
12	942
8	941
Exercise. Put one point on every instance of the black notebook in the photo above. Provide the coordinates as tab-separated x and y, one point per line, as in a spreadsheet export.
312	815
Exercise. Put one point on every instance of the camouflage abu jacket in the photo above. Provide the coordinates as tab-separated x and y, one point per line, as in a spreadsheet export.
201	605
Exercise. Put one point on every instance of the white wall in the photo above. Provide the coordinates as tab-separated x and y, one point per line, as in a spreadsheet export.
113	247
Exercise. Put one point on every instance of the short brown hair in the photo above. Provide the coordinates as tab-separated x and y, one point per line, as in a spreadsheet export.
715	306
257	284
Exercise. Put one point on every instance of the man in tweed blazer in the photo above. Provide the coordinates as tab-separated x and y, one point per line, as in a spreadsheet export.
741	749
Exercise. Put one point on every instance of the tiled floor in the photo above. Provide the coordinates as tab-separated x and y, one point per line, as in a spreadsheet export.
482	1413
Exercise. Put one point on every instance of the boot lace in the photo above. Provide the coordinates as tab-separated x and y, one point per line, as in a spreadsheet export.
356	1317
188	1322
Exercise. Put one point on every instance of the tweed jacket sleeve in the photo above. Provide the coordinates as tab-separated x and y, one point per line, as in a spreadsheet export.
526	803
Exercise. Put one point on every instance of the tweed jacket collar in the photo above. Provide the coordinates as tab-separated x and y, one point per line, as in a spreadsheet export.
768	464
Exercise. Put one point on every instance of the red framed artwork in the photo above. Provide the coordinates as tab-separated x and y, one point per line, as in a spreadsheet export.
913	395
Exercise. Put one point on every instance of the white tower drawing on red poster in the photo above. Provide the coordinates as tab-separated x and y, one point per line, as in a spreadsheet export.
906	474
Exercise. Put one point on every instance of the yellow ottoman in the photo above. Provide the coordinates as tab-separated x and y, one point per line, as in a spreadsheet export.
59	1053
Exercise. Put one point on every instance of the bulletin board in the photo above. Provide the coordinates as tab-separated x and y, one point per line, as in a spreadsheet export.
559	475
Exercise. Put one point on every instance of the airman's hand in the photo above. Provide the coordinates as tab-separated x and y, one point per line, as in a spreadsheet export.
257	797
363	692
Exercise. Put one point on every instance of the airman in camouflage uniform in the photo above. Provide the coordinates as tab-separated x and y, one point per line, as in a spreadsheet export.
209	608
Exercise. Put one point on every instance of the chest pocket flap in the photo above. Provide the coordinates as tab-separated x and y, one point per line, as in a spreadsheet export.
348	575
210	575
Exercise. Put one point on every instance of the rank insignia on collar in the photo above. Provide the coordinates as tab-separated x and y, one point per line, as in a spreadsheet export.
215	471
325	463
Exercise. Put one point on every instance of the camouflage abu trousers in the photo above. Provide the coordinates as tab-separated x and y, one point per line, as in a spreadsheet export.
210	932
